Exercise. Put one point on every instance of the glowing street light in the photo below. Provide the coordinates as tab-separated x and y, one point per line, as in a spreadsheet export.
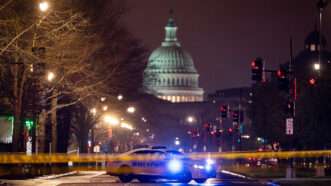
43	6
113	121
126	126
120	97
102	99
317	66
144	119
190	119
105	108
131	109
50	76
93	111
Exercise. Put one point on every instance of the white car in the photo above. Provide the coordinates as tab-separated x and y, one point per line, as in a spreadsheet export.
165	164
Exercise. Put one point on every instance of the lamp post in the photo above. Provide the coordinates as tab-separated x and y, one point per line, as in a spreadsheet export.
321	5
50	78
39	140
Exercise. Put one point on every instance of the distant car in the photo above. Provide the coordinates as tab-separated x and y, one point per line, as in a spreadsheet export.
168	164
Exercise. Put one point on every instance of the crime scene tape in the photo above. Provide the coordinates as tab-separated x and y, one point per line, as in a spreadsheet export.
12	158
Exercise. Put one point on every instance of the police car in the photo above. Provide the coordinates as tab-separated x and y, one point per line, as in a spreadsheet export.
149	164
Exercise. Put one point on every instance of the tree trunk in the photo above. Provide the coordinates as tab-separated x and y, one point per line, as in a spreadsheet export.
54	121
17	144
40	132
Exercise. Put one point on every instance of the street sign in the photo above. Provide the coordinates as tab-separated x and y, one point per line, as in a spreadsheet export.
96	148
289	126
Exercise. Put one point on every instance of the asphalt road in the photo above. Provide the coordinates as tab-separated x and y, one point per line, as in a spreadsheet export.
99	178
223	179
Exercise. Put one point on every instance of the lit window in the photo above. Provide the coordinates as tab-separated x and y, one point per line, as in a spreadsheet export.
173	99
177	98
312	47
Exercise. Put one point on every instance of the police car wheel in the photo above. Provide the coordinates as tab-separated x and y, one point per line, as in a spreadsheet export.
186	178
200	180
145	180
125	178
125	174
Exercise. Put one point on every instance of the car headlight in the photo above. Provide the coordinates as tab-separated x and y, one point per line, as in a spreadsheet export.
175	166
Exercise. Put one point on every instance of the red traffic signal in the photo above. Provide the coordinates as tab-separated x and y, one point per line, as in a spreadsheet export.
312	81
235	116
257	69
283	78
253	65
224	111
280	74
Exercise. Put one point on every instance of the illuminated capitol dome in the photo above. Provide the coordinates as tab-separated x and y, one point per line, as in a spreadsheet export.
170	73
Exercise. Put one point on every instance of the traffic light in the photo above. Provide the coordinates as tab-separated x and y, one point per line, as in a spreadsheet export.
312	81
290	108
29	124
283	78
224	111
257	69
235	116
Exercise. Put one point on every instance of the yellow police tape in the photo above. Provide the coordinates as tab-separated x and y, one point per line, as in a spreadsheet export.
11	158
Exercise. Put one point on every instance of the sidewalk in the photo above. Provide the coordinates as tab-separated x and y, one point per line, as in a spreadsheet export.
299	181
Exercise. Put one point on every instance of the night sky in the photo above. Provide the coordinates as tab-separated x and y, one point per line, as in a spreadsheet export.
223	36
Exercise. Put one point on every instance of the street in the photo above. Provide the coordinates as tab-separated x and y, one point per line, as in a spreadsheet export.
99	178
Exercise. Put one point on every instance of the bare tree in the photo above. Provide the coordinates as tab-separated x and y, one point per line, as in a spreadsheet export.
88	56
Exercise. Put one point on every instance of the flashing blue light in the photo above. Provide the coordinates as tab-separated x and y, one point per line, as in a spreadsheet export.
175	166
210	162
208	167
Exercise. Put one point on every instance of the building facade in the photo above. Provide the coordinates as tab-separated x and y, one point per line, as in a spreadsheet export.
170	73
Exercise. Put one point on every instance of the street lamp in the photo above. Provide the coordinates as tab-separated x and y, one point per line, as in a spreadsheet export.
50	76
43	6
317	66
126	126
144	119
93	111
120	97
131	109
190	119
105	108
113	121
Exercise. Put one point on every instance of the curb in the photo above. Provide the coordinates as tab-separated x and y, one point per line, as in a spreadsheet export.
57	175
